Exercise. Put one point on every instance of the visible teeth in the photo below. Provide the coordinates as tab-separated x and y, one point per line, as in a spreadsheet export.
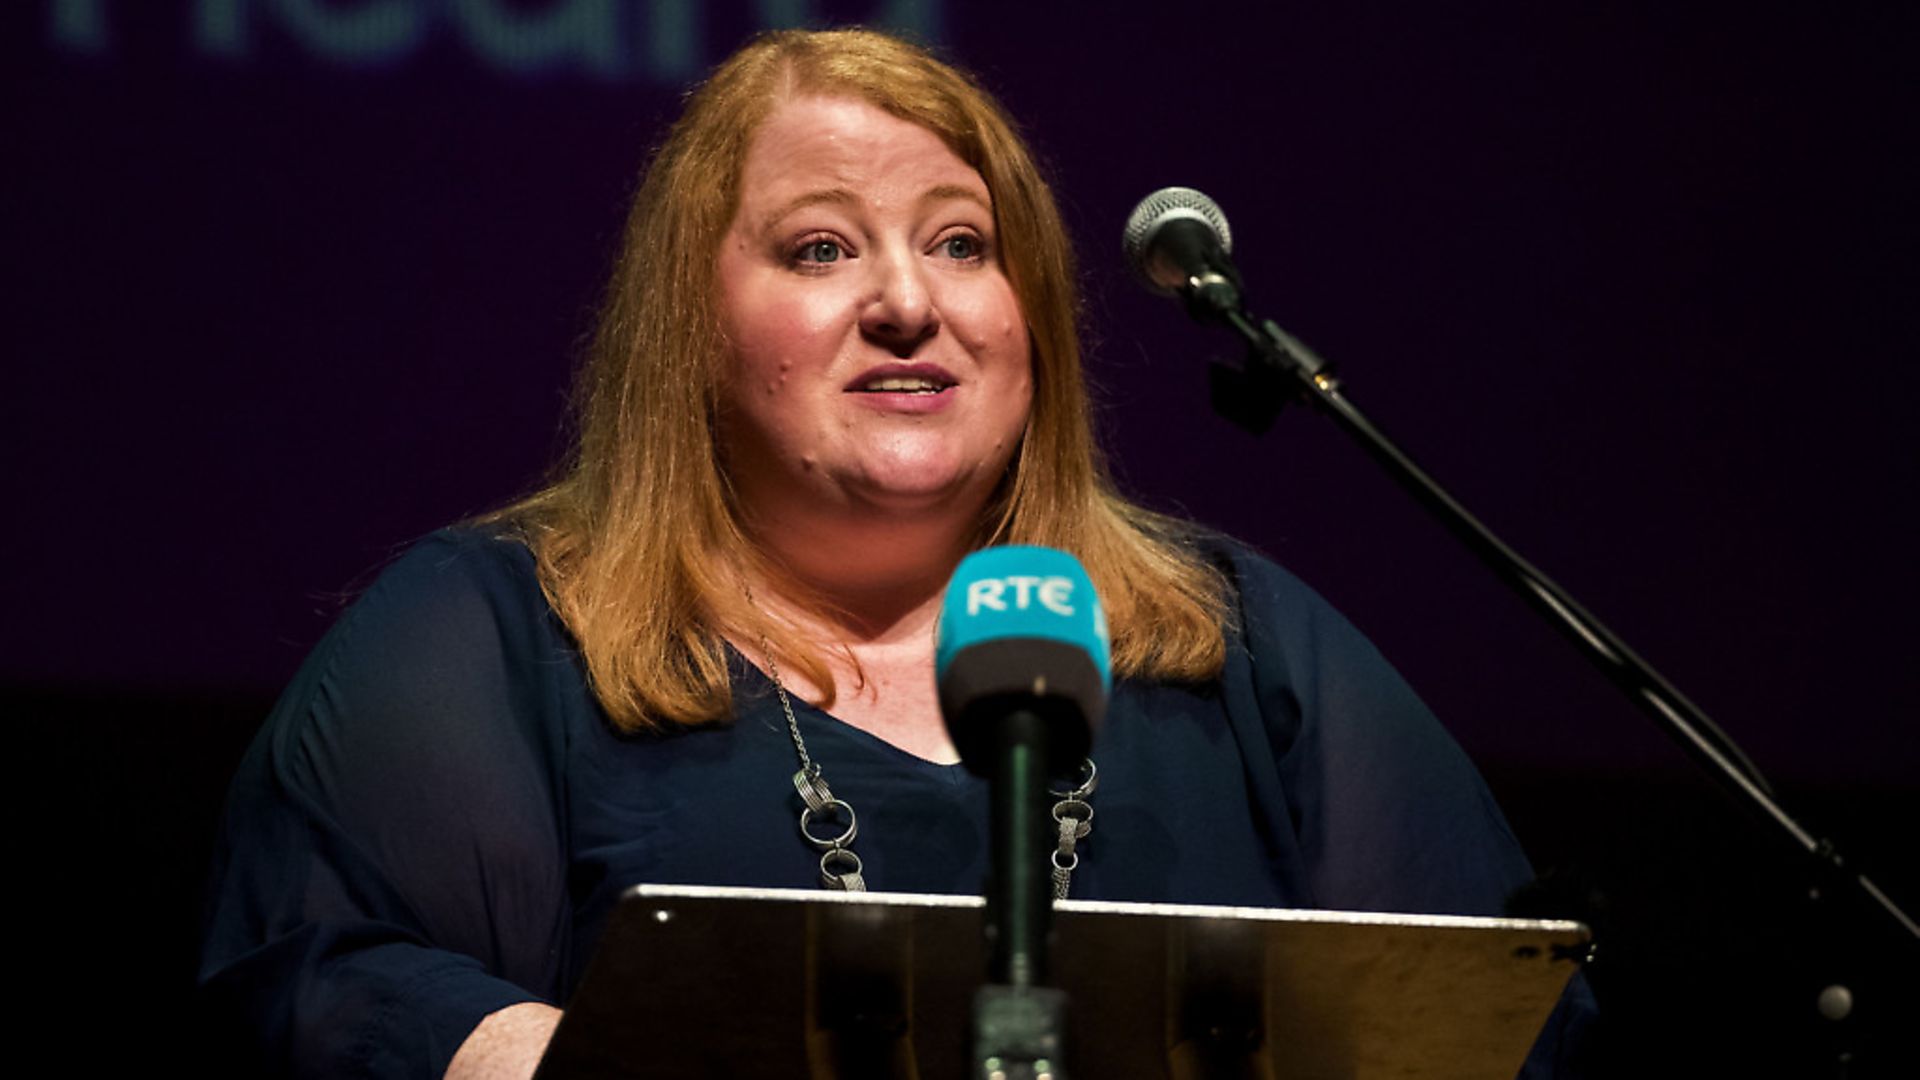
911	385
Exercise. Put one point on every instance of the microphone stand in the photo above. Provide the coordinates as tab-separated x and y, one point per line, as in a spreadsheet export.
1280	367
1019	1025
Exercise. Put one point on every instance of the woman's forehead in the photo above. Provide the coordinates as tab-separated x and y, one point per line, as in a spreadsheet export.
822	149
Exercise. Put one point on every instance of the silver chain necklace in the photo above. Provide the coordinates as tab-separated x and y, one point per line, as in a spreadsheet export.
841	869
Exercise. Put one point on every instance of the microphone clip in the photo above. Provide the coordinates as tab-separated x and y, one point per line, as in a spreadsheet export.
1277	370
1249	396
1212	295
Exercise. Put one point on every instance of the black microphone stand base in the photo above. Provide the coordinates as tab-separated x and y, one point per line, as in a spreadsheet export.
1017	1033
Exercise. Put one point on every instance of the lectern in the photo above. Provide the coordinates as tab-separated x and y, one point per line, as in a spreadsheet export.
774	983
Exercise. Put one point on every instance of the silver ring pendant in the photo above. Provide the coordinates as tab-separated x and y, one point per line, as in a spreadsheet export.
834	808
1089	781
813	789
1074	810
848	875
841	869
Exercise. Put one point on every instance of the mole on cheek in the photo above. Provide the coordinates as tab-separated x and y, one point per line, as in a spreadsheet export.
775	384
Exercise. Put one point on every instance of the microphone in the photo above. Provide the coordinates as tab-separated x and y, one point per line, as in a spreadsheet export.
1021	629
1177	241
1021	661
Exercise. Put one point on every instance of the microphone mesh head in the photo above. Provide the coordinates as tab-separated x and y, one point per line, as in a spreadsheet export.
1154	211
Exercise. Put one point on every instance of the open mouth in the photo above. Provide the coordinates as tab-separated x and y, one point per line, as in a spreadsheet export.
897	384
922	380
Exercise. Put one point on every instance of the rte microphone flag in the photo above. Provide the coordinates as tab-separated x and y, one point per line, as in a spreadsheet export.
1021	628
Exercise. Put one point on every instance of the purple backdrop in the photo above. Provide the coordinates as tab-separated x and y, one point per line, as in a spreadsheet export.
1638	285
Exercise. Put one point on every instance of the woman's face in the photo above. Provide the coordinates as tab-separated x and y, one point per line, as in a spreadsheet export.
876	356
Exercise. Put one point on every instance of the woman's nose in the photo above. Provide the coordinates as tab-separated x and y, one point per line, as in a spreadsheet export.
901	313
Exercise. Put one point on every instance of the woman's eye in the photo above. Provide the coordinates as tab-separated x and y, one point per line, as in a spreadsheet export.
818	251
961	247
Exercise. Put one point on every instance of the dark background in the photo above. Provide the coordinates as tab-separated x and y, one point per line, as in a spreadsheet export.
292	282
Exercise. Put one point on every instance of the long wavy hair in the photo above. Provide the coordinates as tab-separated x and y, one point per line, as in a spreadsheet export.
638	546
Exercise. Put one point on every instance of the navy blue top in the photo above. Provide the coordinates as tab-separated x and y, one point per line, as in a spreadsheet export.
437	818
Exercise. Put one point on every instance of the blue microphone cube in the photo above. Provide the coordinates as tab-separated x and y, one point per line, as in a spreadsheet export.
1022	629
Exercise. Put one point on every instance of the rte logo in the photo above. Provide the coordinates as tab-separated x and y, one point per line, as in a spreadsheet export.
990	594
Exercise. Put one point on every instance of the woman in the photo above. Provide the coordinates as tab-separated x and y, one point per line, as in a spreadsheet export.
838	353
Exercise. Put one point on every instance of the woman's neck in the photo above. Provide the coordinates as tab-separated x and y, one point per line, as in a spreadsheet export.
871	582
870	594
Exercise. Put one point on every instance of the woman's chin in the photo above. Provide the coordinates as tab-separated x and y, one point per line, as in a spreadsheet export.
921	490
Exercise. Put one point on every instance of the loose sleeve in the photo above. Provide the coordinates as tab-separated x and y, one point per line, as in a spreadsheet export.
391	866
1387	811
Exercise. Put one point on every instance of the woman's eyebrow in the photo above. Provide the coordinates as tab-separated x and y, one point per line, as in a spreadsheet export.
838	196
944	192
816	197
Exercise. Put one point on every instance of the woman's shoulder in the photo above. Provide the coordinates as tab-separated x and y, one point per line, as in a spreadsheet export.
1260	584
460	576
448	645
1275	611
459	558
458	599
